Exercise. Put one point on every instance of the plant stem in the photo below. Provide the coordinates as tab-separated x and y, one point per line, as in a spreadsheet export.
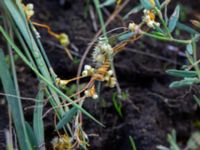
163	22
185	42
97	5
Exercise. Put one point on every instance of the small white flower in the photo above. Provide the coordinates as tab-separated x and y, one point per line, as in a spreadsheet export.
29	10
88	70
54	140
110	72
145	11
112	82
132	26
86	93
157	24
95	96
150	24
85	73
100	58
87	67
30	6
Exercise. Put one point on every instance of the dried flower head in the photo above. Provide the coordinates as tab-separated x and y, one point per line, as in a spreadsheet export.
88	70
102	50
91	93
149	18
29	10
61	143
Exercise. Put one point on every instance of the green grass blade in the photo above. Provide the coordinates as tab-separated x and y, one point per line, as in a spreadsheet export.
38	125
97	6
31	135
133	146
14	104
197	100
66	118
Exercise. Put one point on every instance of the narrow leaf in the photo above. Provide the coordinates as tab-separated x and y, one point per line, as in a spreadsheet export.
66	118
174	18
107	3
189	49
14	104
38	124
186	28
157	3
194	141
148	4
197	100
181	73
134	10
183	83
32	136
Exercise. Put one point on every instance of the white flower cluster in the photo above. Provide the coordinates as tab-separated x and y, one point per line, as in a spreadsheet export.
149	18
110	80
29	10
101	54
102	50
88	71
134	27
89	94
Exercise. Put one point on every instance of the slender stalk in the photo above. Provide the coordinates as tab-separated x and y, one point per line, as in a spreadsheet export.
163	22
161	38
97	5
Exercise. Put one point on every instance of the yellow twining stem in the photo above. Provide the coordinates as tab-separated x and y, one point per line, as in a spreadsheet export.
48	29
62	38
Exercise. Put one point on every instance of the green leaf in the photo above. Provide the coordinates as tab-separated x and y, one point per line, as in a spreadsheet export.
194	141
66	118
148	4
32	136
184	83
38	124
134	10
117	104
133	146
172	140
181	73
174	18
157	3
108	3
197	100
189	49
186	28
14	104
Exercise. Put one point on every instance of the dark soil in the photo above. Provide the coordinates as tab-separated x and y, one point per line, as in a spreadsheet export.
152	109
